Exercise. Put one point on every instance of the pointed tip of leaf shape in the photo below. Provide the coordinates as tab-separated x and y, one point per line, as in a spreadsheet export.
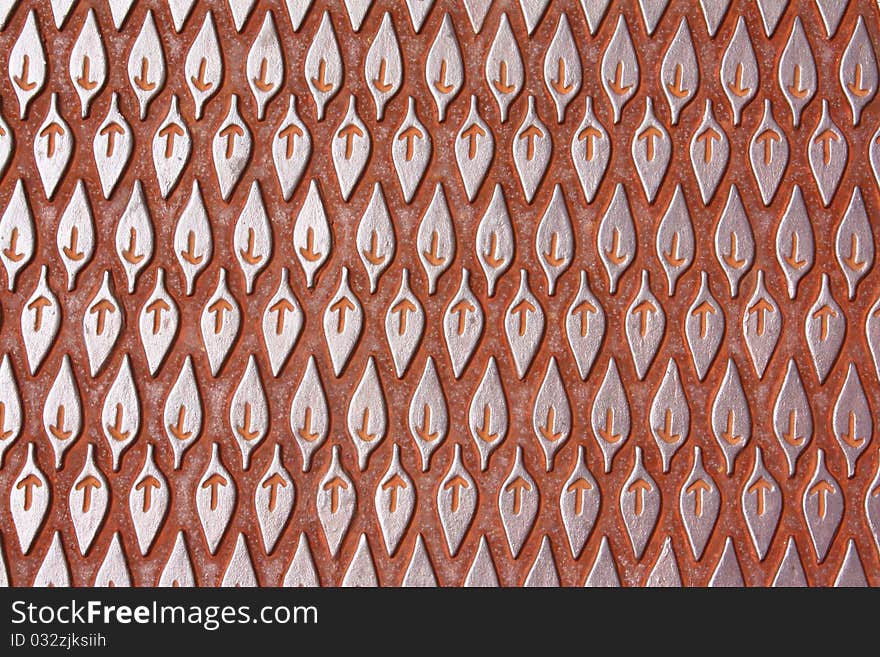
54	570
791	569
665	572
361	570
603	573
419	572
302	571
482	572
178	570
727	572
852	572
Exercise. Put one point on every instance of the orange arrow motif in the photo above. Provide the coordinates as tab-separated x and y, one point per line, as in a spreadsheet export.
709	136
101	309
22	80
28	484
305	432
850	437
821	490
523	308
379	81
551	255
767	138
169	133
791	436
11	251
177	429
672	256
607	432
363	431
393	486
483	432
703	311
432	255
37	306
424	431
308	251
261	82
852	260
616	85
333	486
643	310
84	80
372	255
282	307
698	489
248	254
760	310
115	429
614	254
825	140
219	308
87	485
823	314
157	307
737	85
471	134
530	134
212	483
71	251
501	83
229	133
190	253
795	88
198	81
549	429
408	135
342	306
142	81
579	487
320	82
665	432
639	488
649	135
589	135
111	130
559	82
675	87
289	134
4	432
51	132
402	308
729	436
462	308
456	484
792	258
130	253
856	85
731	257
760	488
272	483
440	83
57	429
348	133
147	484
244	429
517	486
584	309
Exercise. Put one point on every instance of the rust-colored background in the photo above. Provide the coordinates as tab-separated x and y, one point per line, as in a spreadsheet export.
344	217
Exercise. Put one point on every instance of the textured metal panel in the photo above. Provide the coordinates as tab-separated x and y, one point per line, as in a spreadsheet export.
470	292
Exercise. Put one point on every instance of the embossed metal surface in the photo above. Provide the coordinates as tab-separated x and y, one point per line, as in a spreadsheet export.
439	293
